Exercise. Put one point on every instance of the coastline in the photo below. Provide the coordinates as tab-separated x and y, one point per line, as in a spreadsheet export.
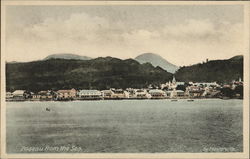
132	99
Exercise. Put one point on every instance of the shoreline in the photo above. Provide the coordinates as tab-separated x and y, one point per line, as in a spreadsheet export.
131	99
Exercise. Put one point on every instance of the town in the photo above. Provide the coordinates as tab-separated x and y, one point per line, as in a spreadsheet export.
169	90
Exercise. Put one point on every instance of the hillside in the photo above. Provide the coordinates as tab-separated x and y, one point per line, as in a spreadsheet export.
99	73
156	60
67	56
222	71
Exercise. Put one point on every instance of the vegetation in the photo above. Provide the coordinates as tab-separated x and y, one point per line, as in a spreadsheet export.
221	71
107	72
233	93
99	73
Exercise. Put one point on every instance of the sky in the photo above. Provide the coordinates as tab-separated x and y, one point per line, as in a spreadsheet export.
182	34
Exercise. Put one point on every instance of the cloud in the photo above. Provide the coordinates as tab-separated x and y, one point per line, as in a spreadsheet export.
184	43
194	29
202	31
78	26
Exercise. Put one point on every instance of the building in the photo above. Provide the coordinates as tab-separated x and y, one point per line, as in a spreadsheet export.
131	92
115	94
66	94
45	95
175	94
142	94
107	94
171	85
119	94
180	93
157	94
35	97
90	94
206	84
195	93
9	95
19	95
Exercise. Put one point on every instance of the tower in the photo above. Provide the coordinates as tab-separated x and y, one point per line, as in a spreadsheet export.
173	81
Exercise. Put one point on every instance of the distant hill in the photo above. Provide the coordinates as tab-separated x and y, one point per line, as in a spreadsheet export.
67	56
239	57
13	62
157	60
217	70
99	73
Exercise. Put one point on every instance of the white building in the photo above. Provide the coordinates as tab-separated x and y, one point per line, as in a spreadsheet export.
107	94
9	95
18	93
175	93
157	94
90	94
206	84
172	85
142	94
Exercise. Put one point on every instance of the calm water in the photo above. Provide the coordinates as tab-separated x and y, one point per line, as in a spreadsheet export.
208	125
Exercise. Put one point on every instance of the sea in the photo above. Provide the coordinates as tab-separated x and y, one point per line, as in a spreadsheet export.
125	126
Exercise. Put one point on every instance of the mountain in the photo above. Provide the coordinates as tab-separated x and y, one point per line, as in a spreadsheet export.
239	57
67	56
222	71
99	73
156	60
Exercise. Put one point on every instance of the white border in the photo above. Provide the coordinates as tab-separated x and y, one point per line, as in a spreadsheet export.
245	153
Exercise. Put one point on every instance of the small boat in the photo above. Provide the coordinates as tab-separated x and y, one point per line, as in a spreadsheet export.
190	100
47	109
174	100
225	98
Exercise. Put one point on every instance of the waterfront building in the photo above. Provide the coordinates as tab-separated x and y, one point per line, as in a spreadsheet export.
210	92
35	97
9	95
180	93
175	94
90	94
66	94
107	94
45	95
157	94
119	94
19	95
142	94
195	93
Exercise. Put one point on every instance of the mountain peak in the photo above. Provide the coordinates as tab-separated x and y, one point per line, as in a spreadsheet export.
148	54
67	56
238	57
157	60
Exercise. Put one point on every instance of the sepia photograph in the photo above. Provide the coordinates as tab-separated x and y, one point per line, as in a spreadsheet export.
125	79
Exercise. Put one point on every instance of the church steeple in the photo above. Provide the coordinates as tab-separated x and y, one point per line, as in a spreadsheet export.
173	81
240	79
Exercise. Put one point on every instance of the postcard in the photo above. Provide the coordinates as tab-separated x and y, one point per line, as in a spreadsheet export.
125	79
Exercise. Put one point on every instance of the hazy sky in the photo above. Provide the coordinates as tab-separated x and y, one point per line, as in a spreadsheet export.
181	34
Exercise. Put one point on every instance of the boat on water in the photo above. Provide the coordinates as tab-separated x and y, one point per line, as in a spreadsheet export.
225	98
190	100
174	100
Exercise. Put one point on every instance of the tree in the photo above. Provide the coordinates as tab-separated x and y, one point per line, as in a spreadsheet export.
239	90
227	92
181	87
